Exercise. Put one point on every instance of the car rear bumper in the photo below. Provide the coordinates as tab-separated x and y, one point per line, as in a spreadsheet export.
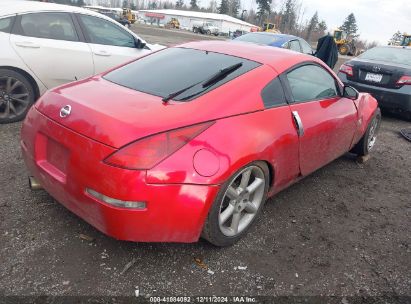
173	213
395	99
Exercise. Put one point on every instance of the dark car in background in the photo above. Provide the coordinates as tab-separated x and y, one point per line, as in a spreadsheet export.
278	40
385	72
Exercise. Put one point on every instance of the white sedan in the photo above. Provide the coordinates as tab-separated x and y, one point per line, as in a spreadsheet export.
43	45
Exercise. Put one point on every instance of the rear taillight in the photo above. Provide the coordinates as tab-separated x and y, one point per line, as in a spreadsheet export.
145	153
347	69
404	80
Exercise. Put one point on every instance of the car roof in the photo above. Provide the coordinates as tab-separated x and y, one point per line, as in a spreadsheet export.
279	39
278	58
14	7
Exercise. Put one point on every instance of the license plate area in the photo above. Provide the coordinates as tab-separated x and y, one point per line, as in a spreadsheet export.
52	157
373	77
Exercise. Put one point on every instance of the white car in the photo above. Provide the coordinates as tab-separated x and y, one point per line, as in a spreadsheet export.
43	45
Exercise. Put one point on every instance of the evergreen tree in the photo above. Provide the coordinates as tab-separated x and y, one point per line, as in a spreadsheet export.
224	7
234	7
179	4
289	17
264	8
322	27
212	8
312	26
350	26
193	5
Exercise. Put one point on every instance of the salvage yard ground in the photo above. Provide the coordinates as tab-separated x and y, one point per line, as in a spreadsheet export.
344	230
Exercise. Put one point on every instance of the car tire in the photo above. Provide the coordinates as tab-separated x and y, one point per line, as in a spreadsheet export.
17	95
367	142
208	32
344	49
245	205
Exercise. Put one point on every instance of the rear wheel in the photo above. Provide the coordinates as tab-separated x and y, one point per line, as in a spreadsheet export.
16	96
344	49
238	203
367	142
208	32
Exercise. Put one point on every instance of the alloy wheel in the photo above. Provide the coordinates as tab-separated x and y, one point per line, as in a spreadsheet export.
372	135
14	97
241	201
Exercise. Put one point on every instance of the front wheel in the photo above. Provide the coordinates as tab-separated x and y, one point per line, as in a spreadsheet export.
367	142
238	203
344	49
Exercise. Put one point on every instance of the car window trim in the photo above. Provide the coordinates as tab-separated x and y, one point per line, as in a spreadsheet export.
287	87
87	36
78	28
18	30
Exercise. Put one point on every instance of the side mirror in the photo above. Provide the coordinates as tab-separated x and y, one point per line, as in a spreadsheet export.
350	93
138	43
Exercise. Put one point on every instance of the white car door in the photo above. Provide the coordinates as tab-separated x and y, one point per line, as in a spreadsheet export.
50	46
111	44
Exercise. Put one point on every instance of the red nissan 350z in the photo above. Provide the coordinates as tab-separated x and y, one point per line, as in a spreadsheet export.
190	141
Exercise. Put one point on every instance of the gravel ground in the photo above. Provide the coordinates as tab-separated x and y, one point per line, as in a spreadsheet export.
345	230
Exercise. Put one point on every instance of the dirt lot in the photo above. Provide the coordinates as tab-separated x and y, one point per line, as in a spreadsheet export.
345	230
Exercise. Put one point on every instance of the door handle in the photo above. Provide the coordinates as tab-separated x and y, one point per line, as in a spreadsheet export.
298	123
102	53
27	44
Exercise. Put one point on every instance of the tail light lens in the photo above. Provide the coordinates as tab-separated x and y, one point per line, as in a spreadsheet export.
145	153
404	80
347	69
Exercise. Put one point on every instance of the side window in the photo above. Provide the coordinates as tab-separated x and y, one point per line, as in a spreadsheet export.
306	47
5	24
295	46
57	26
273	94
311	82
101	31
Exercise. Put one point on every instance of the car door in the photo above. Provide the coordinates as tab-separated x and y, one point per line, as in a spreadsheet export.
325	121
284	149
111	43
50	46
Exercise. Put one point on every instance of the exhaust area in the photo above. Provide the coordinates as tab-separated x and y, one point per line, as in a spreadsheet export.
34	184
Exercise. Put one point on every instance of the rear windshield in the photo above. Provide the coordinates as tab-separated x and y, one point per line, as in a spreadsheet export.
265	39
389	54
174	69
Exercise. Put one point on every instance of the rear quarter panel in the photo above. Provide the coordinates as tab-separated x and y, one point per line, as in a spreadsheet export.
267	135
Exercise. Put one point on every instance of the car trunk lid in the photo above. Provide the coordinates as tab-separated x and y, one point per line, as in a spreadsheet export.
377	73
116	115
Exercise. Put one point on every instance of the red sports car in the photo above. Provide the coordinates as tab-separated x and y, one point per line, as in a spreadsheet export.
190	141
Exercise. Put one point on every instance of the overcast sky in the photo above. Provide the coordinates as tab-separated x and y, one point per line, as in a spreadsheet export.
377	19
